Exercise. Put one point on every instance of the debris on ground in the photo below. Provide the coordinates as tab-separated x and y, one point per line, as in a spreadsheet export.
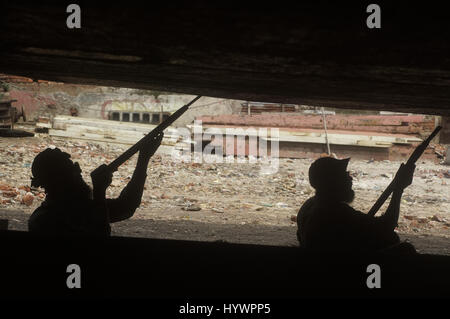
227	193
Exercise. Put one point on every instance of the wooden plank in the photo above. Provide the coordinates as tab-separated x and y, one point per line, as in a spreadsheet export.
371	123
138	129
332	141
59	122
374	138
111	133
101	137
44	125
88	136
314	120
313	136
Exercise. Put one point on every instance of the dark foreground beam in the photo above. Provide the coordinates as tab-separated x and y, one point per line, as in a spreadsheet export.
310	52
130	267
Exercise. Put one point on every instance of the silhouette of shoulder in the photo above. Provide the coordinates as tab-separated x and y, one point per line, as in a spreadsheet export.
336	225
53	218
43	220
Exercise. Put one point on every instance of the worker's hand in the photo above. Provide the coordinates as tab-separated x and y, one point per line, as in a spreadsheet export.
101	178
404	176
150	148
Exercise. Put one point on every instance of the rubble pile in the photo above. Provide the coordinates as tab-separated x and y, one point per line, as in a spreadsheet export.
227	193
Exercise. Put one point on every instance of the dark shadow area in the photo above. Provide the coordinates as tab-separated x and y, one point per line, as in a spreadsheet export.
14	133
262	51
131	267
230	233
317	53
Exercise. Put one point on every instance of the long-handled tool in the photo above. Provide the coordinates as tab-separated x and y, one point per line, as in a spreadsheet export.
148	138
412	159
326	132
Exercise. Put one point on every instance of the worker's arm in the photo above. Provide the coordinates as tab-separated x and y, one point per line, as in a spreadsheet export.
402	179
129	200
101	179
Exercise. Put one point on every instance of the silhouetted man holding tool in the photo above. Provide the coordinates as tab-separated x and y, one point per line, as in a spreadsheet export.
71	207
327	223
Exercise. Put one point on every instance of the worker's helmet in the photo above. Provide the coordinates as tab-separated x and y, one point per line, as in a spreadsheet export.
51	165
327	172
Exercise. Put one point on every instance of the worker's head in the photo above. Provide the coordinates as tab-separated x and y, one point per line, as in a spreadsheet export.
53	170
330	178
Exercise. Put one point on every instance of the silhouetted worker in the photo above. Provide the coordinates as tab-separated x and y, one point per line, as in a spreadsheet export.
327	223
71	207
